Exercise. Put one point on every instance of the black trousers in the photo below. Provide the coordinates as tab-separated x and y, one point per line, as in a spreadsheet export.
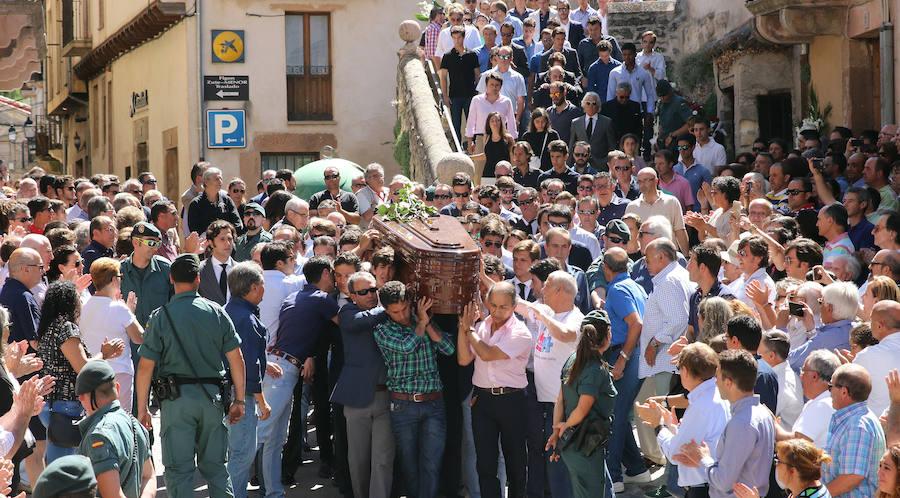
457	382
500	417
697	492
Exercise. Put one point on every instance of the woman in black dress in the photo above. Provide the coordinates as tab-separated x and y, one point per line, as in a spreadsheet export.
497	143
539	135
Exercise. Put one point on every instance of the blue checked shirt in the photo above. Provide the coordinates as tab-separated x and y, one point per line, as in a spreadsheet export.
855	443
410	359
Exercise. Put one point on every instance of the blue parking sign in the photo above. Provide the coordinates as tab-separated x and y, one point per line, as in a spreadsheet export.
225	129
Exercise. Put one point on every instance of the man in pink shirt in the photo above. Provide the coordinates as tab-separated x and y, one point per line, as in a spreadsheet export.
499	346
485	103
672	182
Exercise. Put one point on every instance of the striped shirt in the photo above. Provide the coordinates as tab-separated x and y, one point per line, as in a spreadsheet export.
840	245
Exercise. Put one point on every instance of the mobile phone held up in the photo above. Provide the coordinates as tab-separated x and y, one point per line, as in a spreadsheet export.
795	309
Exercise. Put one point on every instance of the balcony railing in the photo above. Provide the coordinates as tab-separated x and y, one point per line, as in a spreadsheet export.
76	38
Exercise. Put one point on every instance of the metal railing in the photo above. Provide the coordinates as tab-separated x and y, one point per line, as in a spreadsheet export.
443	110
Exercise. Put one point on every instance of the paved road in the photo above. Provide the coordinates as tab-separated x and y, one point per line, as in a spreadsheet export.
309	484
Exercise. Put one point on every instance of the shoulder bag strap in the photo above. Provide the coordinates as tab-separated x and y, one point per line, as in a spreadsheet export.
181	346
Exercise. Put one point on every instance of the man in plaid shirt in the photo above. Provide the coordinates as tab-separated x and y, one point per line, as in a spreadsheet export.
408	345
435	24
855	437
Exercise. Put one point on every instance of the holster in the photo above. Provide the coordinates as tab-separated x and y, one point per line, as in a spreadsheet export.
165	388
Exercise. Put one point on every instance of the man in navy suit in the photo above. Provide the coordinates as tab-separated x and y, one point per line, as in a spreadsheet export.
574	30
572	65
362	390
304	315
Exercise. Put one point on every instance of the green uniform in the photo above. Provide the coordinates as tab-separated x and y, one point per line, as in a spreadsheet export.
151	286
672	115
244	244
588	473
108	439
191	425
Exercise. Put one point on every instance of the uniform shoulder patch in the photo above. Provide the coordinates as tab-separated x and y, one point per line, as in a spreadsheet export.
96	444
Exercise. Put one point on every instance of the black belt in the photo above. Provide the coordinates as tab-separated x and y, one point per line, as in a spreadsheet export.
697	486
293	360
201	380
498	391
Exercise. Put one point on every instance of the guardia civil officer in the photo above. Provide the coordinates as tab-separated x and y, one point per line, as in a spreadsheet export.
118	446
184	342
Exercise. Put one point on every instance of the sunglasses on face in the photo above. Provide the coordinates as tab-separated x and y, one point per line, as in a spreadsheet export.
580	154
441	196
615	240
585	187
487	243
238	191
622	168
524	202
24	220
506	191
557	225
592	104
796	192
77	264
758	149
683	147
151	182
553	193
587	213
364	292
464	194
504	57
148	242
332	177
73	188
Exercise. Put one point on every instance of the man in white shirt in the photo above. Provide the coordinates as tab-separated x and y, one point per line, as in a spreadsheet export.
557	333
541	15
704	419
774	349
707	152
513	86
814	419
650	60
654	201
882	357
471	41
753	256
277	260
561	216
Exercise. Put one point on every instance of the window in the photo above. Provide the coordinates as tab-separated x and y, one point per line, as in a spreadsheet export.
774	111
276	162
308	66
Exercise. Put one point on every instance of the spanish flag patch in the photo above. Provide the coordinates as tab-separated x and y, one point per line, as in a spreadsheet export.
97	444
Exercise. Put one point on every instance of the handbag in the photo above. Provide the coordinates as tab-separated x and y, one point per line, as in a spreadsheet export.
63	429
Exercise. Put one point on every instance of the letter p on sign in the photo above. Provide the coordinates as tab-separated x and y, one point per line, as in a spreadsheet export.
225	124
225	128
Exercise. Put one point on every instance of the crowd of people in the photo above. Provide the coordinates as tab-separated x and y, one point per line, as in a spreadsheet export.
738	317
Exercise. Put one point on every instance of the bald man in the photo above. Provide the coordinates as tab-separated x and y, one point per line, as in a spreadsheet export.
653	201
25	271
42	245
882	357
855	437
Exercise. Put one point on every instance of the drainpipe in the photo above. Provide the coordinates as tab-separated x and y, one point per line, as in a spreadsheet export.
201	118
886	45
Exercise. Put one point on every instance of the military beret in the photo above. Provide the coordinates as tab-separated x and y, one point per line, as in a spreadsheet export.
619	228
187	262
68	474
93	374
595	318
252	206
144	229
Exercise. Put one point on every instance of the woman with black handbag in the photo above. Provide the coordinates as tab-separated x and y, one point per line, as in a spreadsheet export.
63	352
583	414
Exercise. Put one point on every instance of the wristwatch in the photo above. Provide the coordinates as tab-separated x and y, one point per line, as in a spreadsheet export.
238	401
654	343
658	428
623	355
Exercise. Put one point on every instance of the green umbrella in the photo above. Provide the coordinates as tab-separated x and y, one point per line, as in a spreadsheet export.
310	177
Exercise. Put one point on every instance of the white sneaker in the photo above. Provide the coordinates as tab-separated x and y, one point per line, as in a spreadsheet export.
618	487
643	477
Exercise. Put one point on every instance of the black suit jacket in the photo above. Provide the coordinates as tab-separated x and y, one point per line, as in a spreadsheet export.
626	118
571	61
520	61
579	255
541	96
576	33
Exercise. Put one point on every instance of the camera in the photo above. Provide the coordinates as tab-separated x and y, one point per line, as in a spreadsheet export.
795	309
818	164
856	142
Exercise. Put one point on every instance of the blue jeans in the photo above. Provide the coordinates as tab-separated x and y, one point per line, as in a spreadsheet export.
71	408
419	431
557	473
272	432
458	105
621	448
242	447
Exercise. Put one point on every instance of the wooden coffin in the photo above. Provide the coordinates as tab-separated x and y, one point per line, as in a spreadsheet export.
436	259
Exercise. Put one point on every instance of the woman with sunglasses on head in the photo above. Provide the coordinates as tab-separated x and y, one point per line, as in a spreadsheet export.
539	136
798	469
107	316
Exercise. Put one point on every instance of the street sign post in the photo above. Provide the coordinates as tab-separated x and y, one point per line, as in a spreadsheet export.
225	129
226	87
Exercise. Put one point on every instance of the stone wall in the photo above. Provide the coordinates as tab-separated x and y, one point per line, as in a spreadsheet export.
627	20
431	156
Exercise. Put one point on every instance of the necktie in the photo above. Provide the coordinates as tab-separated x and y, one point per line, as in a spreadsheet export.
522	291
590	126
223	280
